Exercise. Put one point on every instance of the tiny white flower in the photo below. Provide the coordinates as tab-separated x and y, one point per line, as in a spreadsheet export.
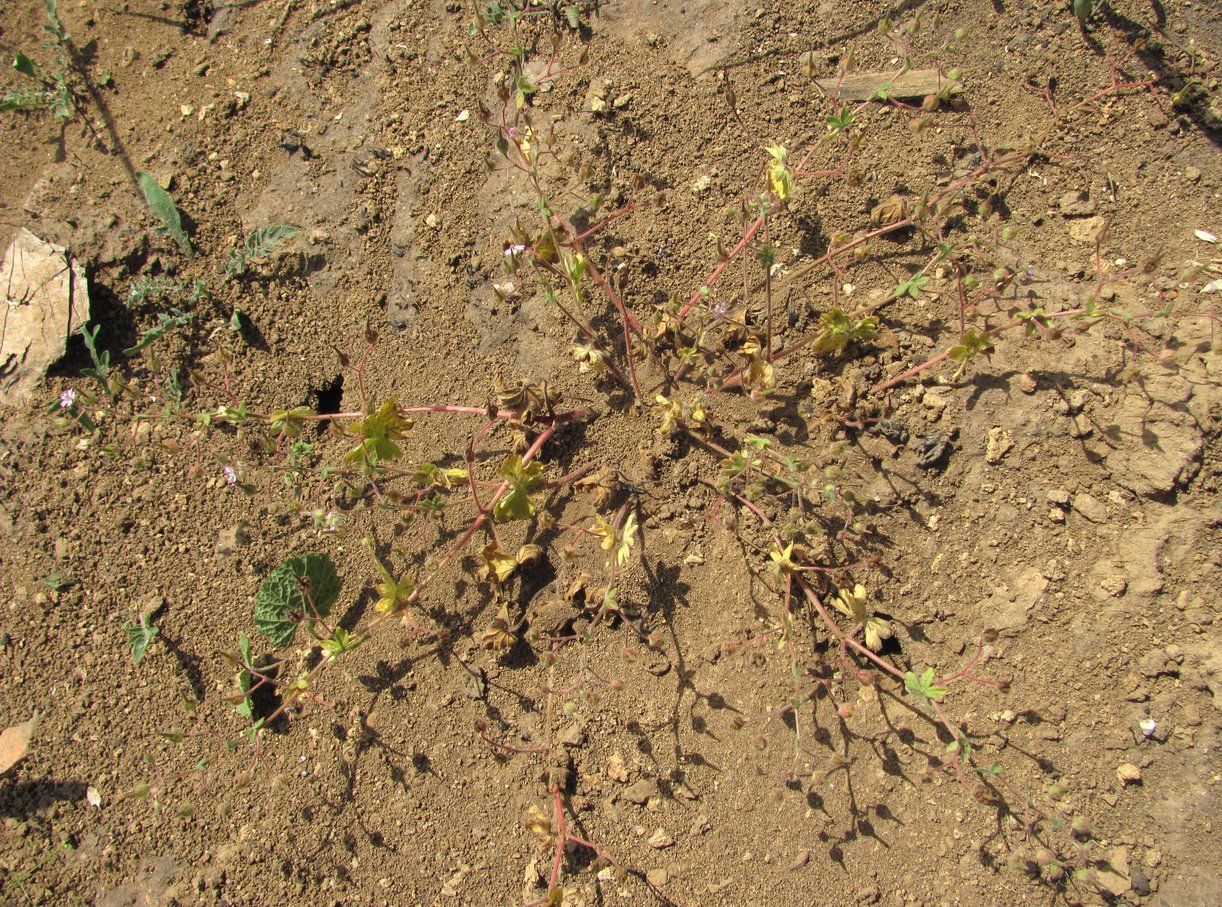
514	250
92	797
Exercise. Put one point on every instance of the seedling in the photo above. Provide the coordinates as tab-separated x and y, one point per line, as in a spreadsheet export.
140	635
258	245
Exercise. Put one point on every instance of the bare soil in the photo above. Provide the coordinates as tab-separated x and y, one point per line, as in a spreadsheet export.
1074	508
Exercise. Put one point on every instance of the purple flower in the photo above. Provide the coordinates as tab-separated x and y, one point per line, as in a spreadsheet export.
67	398
231	475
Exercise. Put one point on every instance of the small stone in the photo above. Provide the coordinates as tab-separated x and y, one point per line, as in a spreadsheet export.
1090	507
660	839
640	792
616	770
1113	882
1128	773
935	401
1056	515
1027	383
432	221
700	825
800	859
998	445
1192	174
657	877
1139	881
1058	496
1080	427
1153	859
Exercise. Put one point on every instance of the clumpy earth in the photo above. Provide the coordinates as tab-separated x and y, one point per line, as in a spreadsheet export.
1061	491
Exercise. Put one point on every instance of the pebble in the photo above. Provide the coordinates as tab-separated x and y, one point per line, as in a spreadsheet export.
1090	507
1058	496
657	877
640	792
1139	881
998	445
1192	174
616	770
1128	773
660	838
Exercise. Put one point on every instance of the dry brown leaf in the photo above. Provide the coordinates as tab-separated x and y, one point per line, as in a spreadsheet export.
15	741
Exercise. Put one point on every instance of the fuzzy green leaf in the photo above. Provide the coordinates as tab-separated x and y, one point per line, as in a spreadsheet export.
140	636
301	589
162	205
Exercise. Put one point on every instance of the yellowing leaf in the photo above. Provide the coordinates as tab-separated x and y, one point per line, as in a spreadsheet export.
783	559
780	180
393	594
853	605
669	410
516	503
627	539
15	741
497	566
499	635
590	359
537	821
760	373
877	630
379	431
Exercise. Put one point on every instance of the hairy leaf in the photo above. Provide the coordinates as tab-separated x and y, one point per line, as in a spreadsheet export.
140	635
301	589
162	205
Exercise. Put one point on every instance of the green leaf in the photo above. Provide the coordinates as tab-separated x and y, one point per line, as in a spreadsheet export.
140	636
910	287
301	589
162	205
164	323
25	66
245	708
516	503
259	244
924	686
341	642
1083	9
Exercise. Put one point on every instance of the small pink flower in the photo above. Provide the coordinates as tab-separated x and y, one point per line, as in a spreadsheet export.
231	475
67	398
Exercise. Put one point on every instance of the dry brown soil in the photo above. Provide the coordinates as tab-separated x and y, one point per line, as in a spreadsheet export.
1074	510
